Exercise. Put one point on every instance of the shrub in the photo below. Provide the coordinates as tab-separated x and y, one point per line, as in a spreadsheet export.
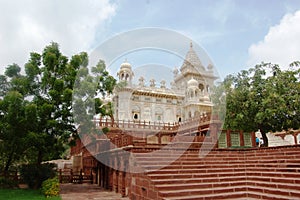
50	187
7	183
34	175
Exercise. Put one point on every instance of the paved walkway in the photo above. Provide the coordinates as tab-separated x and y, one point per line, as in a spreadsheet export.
71	191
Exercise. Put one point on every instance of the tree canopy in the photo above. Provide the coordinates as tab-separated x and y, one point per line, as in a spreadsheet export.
263	98
37	122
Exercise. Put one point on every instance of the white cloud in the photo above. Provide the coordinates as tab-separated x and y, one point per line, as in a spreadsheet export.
280	45
30	25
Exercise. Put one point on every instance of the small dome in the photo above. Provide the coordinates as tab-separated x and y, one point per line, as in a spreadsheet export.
192	83
210	67
126	65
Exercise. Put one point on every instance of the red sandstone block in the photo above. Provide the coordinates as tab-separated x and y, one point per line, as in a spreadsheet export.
139	181
297	181
253	195
279	180
276	191
241	188
295	194
145	183
291	175
207	185
253	173
220	184
208	180
238	195
255	189
289	186
138	190
152	194
224	190
238	183
201	192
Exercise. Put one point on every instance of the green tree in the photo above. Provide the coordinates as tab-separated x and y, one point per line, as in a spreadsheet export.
36	109
13	70
91	88
3	85
12	128
263	97
51	78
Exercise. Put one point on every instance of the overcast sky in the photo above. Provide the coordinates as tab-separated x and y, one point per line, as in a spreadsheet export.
236	34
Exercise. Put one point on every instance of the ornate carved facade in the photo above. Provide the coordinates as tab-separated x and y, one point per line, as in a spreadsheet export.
187	97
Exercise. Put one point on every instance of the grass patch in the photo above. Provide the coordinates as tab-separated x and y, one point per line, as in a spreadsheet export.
24	194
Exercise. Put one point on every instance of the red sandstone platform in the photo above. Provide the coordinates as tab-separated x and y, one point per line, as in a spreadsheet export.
71	191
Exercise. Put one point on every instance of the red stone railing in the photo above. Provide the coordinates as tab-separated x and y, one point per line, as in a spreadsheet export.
135	132
138	124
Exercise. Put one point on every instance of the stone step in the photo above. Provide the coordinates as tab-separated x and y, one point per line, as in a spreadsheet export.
195	175
193	171
293	166
232	196
209	193
271	178
201	185
210	164
288	193
204	180
176	165
281	185
288	177
242	195
201	191
272	157
214	185
261	153
188	178
274	169
220	160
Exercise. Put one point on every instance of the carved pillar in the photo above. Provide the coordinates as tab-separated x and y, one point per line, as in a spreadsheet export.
228	138
295	138
110	180
115	181
242	143
121	183
253	139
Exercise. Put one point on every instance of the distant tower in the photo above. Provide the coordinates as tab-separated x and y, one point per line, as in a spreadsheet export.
192	98
122	100
125	73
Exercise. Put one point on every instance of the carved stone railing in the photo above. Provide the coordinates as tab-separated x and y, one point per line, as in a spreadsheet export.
162	126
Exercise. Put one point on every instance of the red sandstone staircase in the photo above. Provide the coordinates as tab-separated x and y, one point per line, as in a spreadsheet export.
225	174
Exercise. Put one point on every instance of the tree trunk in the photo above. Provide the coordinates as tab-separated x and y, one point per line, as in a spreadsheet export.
8	163
39	157
112	120
265	138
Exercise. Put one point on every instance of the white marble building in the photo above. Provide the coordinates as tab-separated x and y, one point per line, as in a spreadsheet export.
188	96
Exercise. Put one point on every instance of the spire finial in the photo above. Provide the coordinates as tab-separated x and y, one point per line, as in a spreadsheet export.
191	44
125	60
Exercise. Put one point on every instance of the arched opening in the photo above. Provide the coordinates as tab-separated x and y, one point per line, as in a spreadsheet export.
136	113
201	87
